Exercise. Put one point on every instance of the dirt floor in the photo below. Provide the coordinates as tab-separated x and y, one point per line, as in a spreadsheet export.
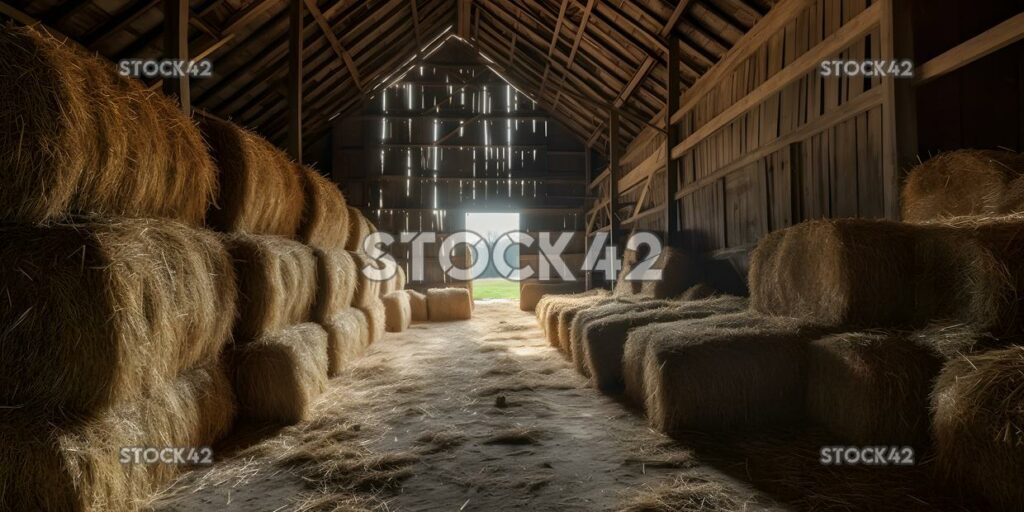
484	415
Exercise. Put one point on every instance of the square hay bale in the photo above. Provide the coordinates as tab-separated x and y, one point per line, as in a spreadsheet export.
592	314
94	312
541	309
603	341
567	316
978	425
337	276
679	273
964	182
261	188
531	292
549	308
418	306
78	138
358	229
348	335
376	318
76	466
278	375
724	372
448	304
871	388
277	283
397	311
324	222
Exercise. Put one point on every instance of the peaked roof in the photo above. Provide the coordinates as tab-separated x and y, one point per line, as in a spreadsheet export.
577	58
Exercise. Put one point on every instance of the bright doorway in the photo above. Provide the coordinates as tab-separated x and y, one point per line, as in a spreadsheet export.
491	226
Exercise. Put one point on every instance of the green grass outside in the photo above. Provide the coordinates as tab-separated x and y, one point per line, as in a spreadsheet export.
495	288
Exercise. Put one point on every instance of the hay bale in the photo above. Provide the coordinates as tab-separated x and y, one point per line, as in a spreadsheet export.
843	272
76	467
278	375
359	229
871	388
698	291
261	189
964	182
540	310
567	316
348	335
93	312
736	371
679	273
600	352
588	315
336	283
418	306
448	304
553	308
324	222
367	290
977	423
78	138
376	318
531	292
277	283
622	286
397	311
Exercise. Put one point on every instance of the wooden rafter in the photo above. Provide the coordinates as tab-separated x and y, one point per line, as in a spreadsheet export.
554	42
335	44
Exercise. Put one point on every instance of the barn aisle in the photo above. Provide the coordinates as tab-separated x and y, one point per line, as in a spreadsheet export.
474	415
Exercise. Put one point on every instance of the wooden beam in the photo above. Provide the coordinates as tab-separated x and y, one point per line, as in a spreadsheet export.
614	157
176	16
462	125
899	111
416	23
465	19
206	52
20	16
673	136
989	41
575	47
551	47
295	27
335	44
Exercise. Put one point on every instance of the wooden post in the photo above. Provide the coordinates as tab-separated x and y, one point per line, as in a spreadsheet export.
295	27
587	204
672	138
176	48
899	146
613	175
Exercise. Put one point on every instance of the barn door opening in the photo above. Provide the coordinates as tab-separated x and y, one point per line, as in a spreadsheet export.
491	226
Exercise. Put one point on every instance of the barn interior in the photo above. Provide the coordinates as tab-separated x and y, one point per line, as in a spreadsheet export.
303	255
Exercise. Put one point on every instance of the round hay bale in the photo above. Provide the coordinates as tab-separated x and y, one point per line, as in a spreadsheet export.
418	306
278	375
324	222
78	138
679	273
977	422
348	335
602	342
367	289
531	292
397	311
93	312
963	182
336	283
261	189
708	375
359	229
50	466
871	388
277	283
448	304
376	318
843	272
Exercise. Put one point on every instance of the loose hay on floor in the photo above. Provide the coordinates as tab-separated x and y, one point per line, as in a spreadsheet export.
964	182
278	375
724	372
978	423
603	341
261	189
76	466
325	215
871	388
348	336
277	283
93	312
447	304
418	306
77	138
397	311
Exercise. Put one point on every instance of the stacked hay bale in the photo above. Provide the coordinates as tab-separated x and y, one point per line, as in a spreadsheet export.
448	304
102	254
964	182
